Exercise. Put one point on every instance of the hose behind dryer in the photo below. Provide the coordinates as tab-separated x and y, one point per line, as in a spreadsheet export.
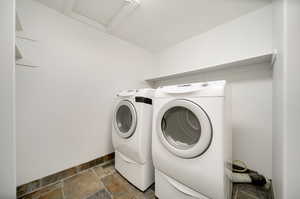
241	174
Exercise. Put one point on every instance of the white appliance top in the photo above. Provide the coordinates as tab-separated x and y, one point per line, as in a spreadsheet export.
144	92
212	88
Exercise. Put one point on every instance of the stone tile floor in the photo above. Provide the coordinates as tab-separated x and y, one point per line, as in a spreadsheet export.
100	182
249	191
103	182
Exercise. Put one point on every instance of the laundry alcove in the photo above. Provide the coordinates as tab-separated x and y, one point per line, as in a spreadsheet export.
89	56
63	61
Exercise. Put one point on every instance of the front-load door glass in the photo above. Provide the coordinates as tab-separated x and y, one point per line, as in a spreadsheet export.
181	127
184	128
124	118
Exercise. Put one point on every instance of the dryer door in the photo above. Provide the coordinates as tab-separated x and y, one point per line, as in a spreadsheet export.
125	119
184	128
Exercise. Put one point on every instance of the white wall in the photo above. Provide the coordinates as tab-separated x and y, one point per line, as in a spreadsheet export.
64	107
246	36
286	158
7	78
278	100
292	86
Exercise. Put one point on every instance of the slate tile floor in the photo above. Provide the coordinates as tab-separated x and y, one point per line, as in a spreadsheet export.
100	182
249	191
103	182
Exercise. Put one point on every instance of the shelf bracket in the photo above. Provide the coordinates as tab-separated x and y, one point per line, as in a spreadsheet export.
274	57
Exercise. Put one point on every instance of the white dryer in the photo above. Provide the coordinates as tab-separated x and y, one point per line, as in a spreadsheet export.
191	141
131	136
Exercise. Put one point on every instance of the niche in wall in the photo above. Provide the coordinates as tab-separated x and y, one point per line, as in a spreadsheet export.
251	87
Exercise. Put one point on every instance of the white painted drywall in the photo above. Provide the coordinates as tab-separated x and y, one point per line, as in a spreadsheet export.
278	100
286	148
246	36
7	78
291	103
64	107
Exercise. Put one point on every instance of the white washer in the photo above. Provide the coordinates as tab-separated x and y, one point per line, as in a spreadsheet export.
191	141
131	136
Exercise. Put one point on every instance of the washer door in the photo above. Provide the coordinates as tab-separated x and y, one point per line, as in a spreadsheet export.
184	128
125	119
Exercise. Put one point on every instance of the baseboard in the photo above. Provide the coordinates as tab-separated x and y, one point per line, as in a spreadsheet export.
52	179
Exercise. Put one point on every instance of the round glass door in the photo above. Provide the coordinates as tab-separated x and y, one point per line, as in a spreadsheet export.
184	128
181	127
125	119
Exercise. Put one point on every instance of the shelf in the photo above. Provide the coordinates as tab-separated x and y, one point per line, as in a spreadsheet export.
259	59
19	26
27	53
18	53
25	35
26	48
20	31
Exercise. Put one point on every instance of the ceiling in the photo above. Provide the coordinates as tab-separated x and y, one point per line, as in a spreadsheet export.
155	24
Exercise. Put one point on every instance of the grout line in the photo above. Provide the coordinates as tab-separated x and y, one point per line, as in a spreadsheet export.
45	193
62	189
105	188
100	180
95	173
77	173
40	188
80	172
103	163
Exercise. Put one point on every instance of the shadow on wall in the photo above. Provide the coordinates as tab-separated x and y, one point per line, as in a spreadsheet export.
251	111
